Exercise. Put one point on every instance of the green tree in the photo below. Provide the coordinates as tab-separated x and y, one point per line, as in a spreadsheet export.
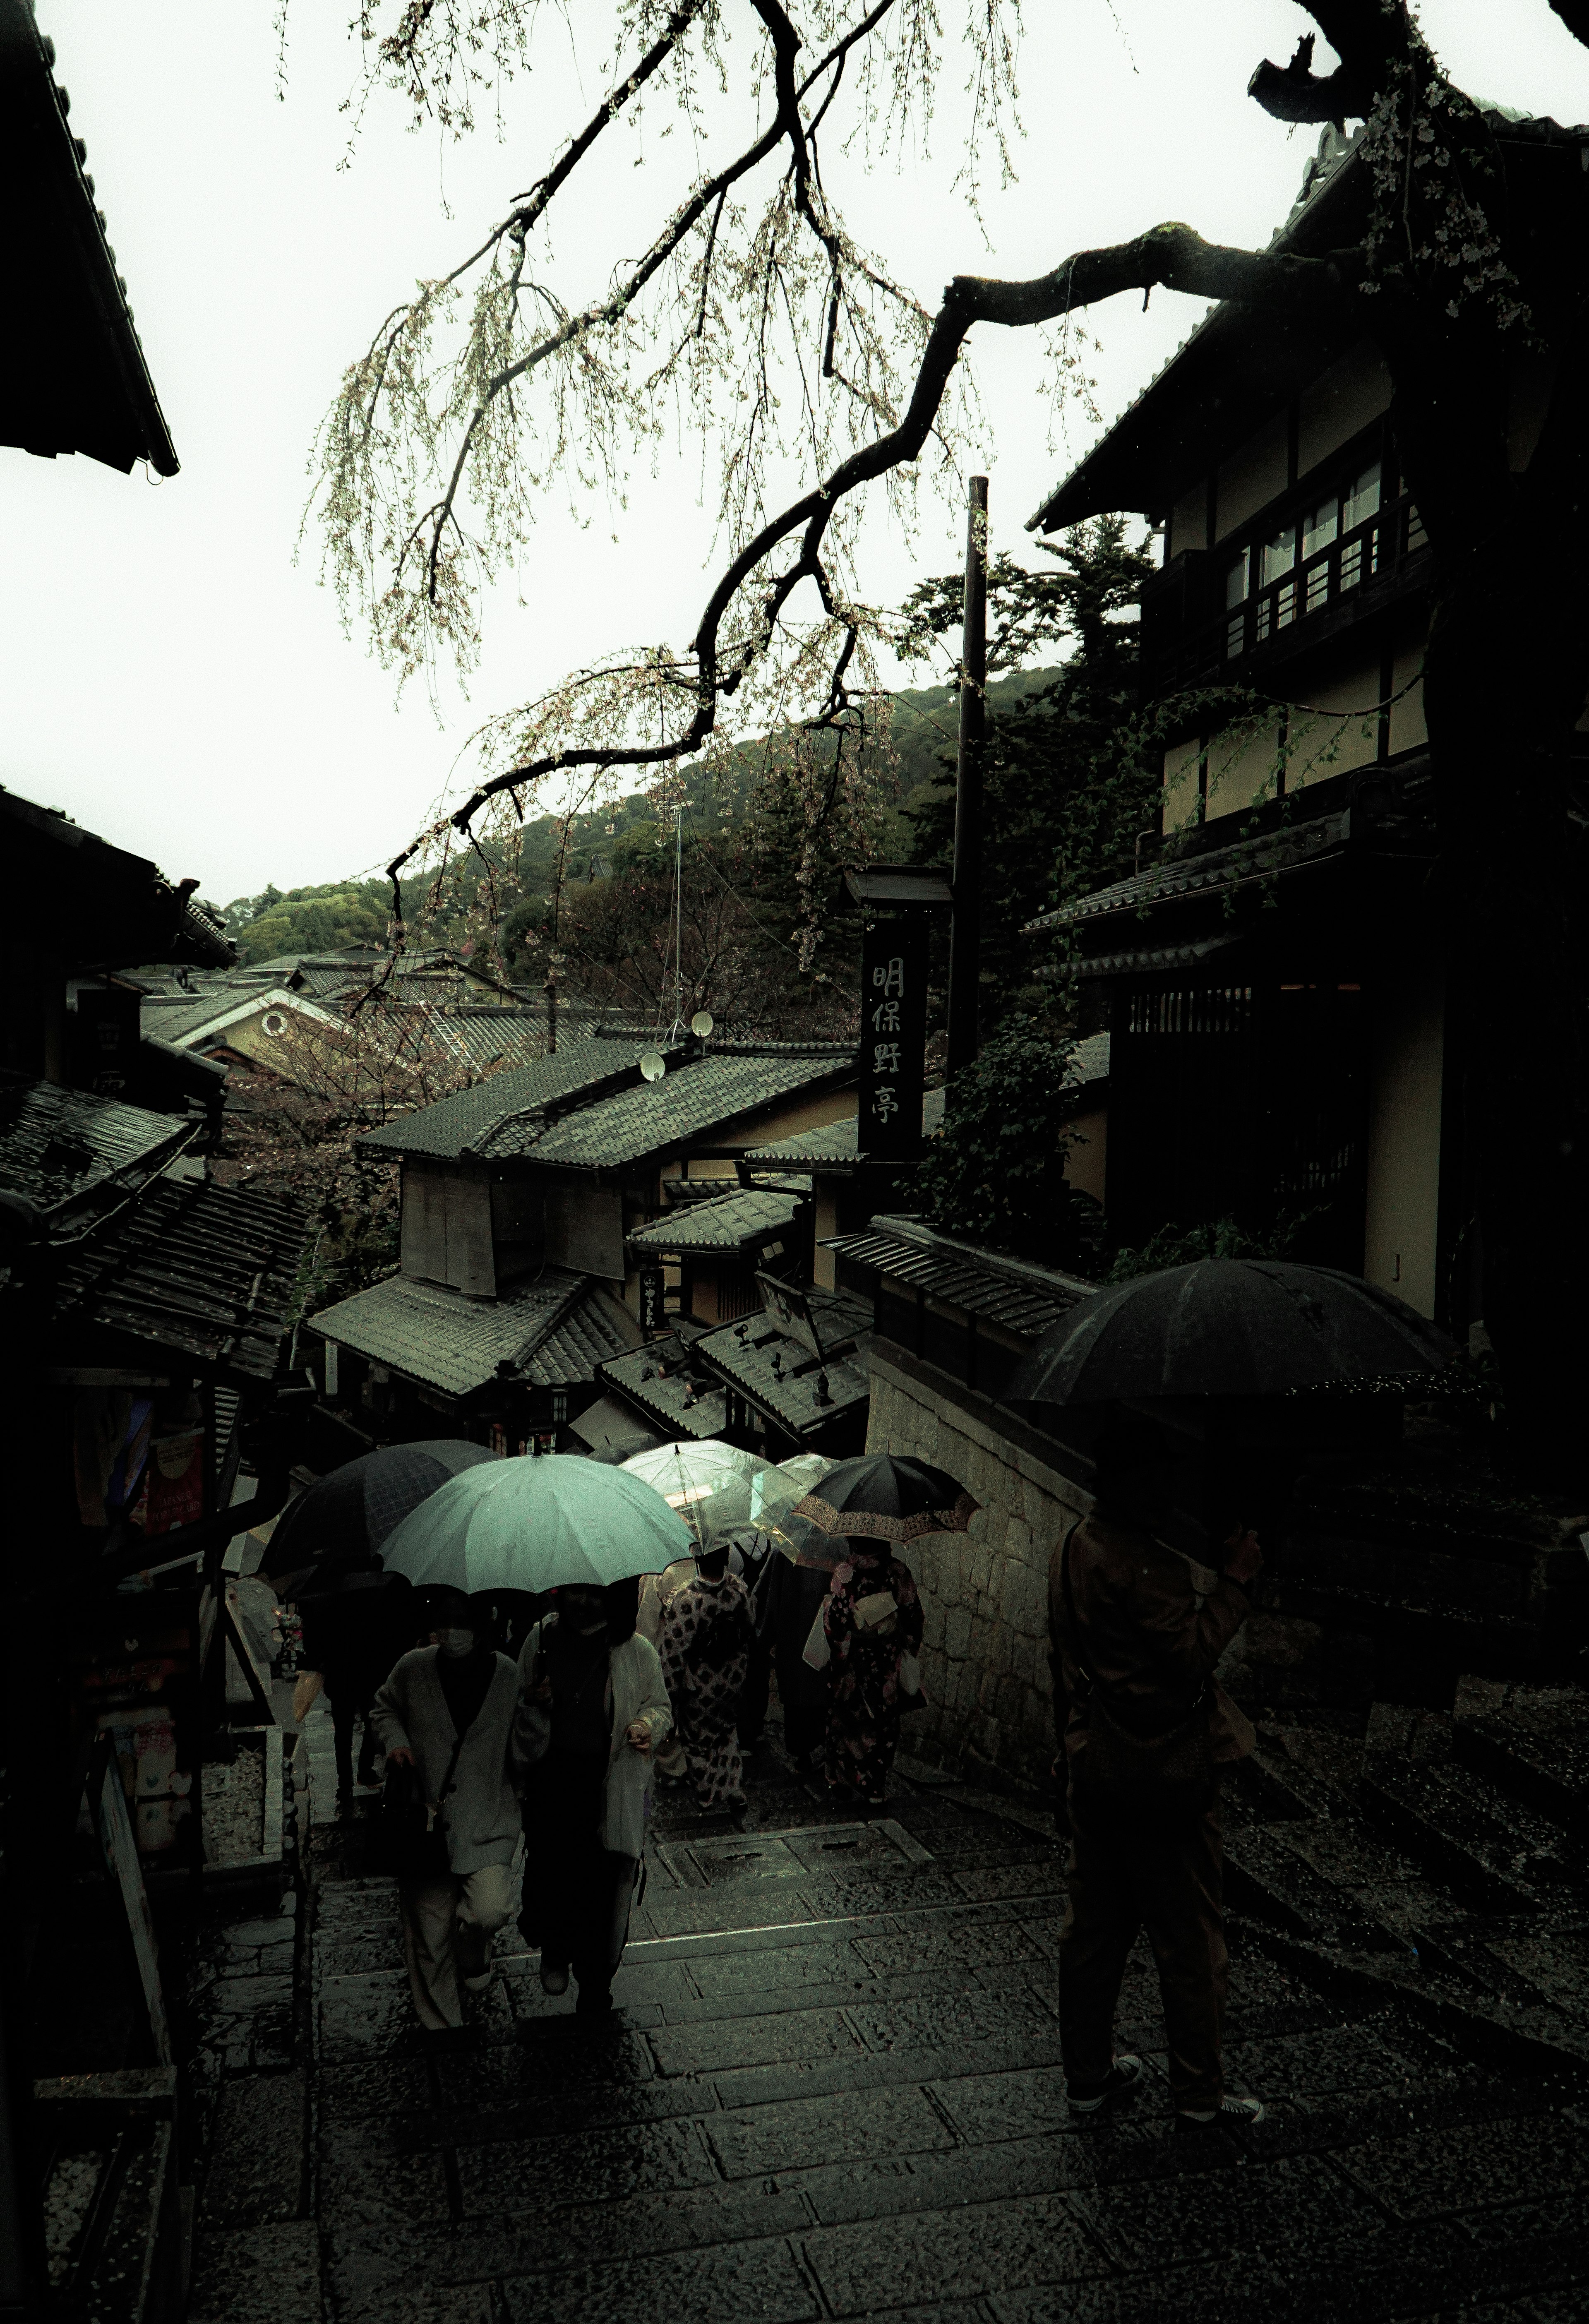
1065	793
996	1175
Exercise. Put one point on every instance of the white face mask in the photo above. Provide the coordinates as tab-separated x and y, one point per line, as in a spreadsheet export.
456	1642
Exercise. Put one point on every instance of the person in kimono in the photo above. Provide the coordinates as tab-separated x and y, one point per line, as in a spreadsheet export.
708	1636
871	1618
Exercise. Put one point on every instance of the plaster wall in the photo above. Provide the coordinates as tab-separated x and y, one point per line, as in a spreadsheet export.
1403	1193
1408	728
1251	477
825	1222
1180	783
1339	402
1243	768
984	1593
1188	520
1324	747
1084	1167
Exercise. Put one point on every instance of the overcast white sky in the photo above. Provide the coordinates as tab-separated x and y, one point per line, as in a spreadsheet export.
177	684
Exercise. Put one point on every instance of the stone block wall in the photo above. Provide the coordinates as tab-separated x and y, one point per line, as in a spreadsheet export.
984	1662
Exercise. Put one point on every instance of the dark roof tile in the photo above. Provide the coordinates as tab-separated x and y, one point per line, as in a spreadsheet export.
553	1330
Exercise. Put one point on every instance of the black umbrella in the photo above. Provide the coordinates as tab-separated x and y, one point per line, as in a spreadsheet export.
890	1498
1227	1327
350	1512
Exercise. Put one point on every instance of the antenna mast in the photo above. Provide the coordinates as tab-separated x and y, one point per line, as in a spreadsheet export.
675	1030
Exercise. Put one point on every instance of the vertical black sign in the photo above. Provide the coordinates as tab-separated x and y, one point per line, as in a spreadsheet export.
893	1037
652	1315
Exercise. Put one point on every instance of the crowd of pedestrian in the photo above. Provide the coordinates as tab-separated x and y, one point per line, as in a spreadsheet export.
532	1772
520	1783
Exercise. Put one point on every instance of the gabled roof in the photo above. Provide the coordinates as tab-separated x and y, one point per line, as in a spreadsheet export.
500	1109
698	1095
75	379
725	1222
63	1151
111	909
185	1021
552	1331
207	1272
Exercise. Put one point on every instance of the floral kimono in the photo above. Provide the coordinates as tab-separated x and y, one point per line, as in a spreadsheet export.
864	1671
708	1635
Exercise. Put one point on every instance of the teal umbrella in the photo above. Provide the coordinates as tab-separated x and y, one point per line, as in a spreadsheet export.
537	1523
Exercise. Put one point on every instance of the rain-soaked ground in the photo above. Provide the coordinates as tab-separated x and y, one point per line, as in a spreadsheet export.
833	2087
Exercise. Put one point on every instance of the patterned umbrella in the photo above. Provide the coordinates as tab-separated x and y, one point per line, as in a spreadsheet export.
351	1511
888	1497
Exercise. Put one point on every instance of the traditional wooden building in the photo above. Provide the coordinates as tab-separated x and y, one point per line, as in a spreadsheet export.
1280	1047
526	1202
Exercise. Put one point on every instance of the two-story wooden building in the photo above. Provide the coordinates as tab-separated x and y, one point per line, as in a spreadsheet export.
1281	1049
522	1201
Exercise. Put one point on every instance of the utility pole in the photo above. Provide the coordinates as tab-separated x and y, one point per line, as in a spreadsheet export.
675	1031
966	926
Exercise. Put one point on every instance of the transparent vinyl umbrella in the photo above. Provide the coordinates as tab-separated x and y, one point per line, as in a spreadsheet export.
712	1485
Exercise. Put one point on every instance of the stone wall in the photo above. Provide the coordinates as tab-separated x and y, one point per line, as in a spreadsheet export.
984	1661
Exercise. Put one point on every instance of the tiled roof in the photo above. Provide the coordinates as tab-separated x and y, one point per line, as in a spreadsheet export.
782	1375
724	1223
696	1094
77	379
494	1037
209	1271
1216	871
60	1146
491	1109
1019	1296
665	1383
553	1330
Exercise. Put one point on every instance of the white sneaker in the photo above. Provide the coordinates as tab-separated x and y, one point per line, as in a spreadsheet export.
1231	2114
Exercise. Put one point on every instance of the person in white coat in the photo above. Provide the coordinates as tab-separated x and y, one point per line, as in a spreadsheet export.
592	1712
456	1687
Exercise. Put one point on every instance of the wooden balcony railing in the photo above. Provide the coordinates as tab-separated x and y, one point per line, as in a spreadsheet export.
1363	565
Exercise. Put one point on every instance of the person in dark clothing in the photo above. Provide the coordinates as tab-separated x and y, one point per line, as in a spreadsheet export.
593	1710
1136	1629
789	1599
356	1621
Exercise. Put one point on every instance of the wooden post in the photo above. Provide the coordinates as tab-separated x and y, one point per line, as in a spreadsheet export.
965	929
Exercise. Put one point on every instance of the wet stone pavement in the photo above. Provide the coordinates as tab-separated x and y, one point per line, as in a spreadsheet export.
832	2090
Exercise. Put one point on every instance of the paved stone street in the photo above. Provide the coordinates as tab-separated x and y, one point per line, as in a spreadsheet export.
834	2090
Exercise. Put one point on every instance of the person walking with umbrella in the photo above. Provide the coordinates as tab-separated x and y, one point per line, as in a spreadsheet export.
594	1712
872	1618
1136	1629
708	1636
446	1711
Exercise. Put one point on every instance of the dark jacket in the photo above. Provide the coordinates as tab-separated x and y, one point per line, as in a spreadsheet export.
1152	1624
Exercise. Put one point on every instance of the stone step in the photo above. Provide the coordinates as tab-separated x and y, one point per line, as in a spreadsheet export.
1494	1854
1531	1741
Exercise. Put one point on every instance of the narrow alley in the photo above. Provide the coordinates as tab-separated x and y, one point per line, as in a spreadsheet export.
832	2090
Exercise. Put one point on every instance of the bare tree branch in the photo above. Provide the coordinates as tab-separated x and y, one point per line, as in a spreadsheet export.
1294	92
1173	256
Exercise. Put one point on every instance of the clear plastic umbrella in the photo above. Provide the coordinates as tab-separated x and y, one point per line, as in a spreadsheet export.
712	1485
529	1522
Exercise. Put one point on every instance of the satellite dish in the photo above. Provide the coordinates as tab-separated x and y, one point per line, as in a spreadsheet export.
653	1066
700	1024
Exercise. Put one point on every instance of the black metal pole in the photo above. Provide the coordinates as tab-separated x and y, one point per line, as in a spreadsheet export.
966	930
